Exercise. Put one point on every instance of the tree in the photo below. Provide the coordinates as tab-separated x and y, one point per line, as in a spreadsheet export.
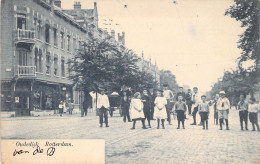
248	13
166	77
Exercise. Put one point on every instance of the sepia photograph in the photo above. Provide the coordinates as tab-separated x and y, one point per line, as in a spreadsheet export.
130	81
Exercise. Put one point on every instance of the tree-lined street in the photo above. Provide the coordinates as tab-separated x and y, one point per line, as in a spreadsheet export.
192	145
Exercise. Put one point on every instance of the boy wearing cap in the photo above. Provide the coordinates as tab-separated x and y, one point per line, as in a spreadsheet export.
188	100
223	106
204	111
180	108
242	106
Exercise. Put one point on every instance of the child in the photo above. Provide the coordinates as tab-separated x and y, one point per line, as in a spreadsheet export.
253	109
242	106
204	111
136	110
180	108
160	109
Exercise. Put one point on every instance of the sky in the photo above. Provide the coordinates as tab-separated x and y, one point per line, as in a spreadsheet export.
191	38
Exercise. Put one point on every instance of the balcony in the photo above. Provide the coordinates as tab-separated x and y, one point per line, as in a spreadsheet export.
24	36
25	71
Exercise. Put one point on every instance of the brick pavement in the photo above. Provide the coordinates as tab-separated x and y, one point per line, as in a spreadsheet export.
192	145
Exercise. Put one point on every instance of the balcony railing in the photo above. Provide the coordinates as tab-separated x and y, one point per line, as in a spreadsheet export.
25	35
25	71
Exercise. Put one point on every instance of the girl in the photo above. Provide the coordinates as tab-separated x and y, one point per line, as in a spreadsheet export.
159	109
253	109
146	99
136	110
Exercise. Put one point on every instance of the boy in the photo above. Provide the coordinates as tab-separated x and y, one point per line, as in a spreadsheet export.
223	106
204	111
169	97
242	106
180	108
253	109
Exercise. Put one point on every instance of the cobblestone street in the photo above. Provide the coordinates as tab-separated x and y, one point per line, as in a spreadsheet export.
192	145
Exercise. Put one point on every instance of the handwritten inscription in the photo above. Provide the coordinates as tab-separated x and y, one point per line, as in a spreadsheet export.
50	151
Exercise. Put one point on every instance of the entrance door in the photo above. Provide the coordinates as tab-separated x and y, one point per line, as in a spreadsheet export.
22	100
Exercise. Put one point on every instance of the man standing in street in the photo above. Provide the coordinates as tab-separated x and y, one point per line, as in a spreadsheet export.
169	97
195	101
103	106
188	100
223	106
242	106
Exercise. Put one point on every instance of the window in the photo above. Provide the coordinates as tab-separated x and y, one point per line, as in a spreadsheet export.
56	66
62	67
47	33
21	21
48	63
68	43
62	40
39	29
55	37
36	59
69	67
23	57
40	60
74	44
79	44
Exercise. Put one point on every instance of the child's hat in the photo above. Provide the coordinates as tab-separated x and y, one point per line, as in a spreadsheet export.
222	92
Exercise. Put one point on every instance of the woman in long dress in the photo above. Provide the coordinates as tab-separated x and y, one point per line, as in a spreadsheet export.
136	110
146	99
160	109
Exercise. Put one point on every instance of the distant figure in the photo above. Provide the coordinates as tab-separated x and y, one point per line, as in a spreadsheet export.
84	110
146	99
180	108
253	109
215	108
223	106
242	106
169	97
61	107
180	92
125	105
188	100
136	110
153	96
103	106
160	112
70	106
204	111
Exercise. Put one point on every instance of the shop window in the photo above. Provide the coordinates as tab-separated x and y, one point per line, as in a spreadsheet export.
68	43
48	63
55	66
55	37
47	33
62	67
62	40
21	21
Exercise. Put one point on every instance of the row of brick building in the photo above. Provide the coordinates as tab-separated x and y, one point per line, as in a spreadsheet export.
38	41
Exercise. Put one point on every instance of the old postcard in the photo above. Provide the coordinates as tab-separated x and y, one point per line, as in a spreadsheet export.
130	81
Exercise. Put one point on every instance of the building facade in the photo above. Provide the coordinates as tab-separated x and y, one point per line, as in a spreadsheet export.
38	41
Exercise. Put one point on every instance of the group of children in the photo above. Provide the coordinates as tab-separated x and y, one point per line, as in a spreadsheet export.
180	107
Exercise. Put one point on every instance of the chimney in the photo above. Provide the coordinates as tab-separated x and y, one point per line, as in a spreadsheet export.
77	5
57	3
113	34
123	38
119	37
